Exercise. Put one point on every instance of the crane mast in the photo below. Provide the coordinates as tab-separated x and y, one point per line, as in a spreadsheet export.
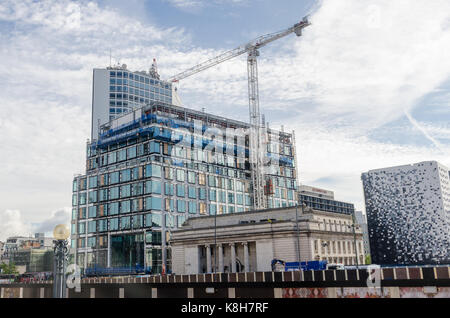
257	133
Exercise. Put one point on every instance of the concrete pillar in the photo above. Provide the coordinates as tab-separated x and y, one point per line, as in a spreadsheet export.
108	253
233	258
208	258
246	261
278	293
190	292
220	251
92	293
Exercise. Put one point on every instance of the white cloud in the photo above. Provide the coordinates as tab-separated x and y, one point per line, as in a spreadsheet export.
11	224
356	68
62	216
196	4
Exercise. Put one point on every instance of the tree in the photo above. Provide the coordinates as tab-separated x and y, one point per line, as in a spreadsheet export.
8	268
368	259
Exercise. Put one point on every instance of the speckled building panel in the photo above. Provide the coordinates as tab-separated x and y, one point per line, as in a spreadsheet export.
408	213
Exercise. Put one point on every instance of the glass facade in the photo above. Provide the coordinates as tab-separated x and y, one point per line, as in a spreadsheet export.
328	205
131	90
141	182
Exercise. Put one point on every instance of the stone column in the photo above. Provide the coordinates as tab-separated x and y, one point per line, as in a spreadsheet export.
220	251
208	258
233	258
246	262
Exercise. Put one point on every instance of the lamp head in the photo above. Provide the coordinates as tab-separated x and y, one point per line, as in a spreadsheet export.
61	232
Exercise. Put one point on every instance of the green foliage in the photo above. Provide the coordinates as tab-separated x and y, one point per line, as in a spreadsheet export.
368	259
8	268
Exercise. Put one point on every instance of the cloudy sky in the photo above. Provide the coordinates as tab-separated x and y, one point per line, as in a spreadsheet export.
367	85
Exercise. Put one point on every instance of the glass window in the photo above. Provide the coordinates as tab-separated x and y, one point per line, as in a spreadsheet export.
113	208
82	198
122	155
114	193
92	182
181	206
180	220
103	225
168	173
125	175
131	152
191	176
114	224
153	171
153	203
138	221
112	157
125	223
81	228
170	221
239	198
202	193
136	205
192	207
125	206
180	190
231	197
212	195
92	211
154	147
153	220
137	189
92	226
212	209
114	177
180	175
156	238
153	186
192	193
201	179
168	189
92	197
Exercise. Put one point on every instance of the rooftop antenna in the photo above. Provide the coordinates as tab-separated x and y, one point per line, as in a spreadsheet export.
154	69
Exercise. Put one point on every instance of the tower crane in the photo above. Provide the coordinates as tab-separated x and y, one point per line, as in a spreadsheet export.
252	50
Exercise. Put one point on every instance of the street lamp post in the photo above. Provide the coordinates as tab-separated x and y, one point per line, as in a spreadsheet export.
61	253
215	242
354	240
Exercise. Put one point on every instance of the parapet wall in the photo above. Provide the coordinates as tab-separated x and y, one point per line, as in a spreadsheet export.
394	283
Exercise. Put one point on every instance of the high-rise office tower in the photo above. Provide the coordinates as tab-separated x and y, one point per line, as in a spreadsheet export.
117	90
408	213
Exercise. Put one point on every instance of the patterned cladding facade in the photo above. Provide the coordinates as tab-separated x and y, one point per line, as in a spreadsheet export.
408	213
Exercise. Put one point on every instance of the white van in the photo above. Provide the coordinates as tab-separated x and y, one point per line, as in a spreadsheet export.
335	266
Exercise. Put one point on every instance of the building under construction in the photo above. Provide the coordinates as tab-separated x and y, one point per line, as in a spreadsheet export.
152	168
154	164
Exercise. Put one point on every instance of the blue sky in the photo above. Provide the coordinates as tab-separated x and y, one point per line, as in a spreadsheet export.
366	86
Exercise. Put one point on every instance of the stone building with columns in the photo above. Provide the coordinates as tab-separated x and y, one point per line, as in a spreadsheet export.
248	242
